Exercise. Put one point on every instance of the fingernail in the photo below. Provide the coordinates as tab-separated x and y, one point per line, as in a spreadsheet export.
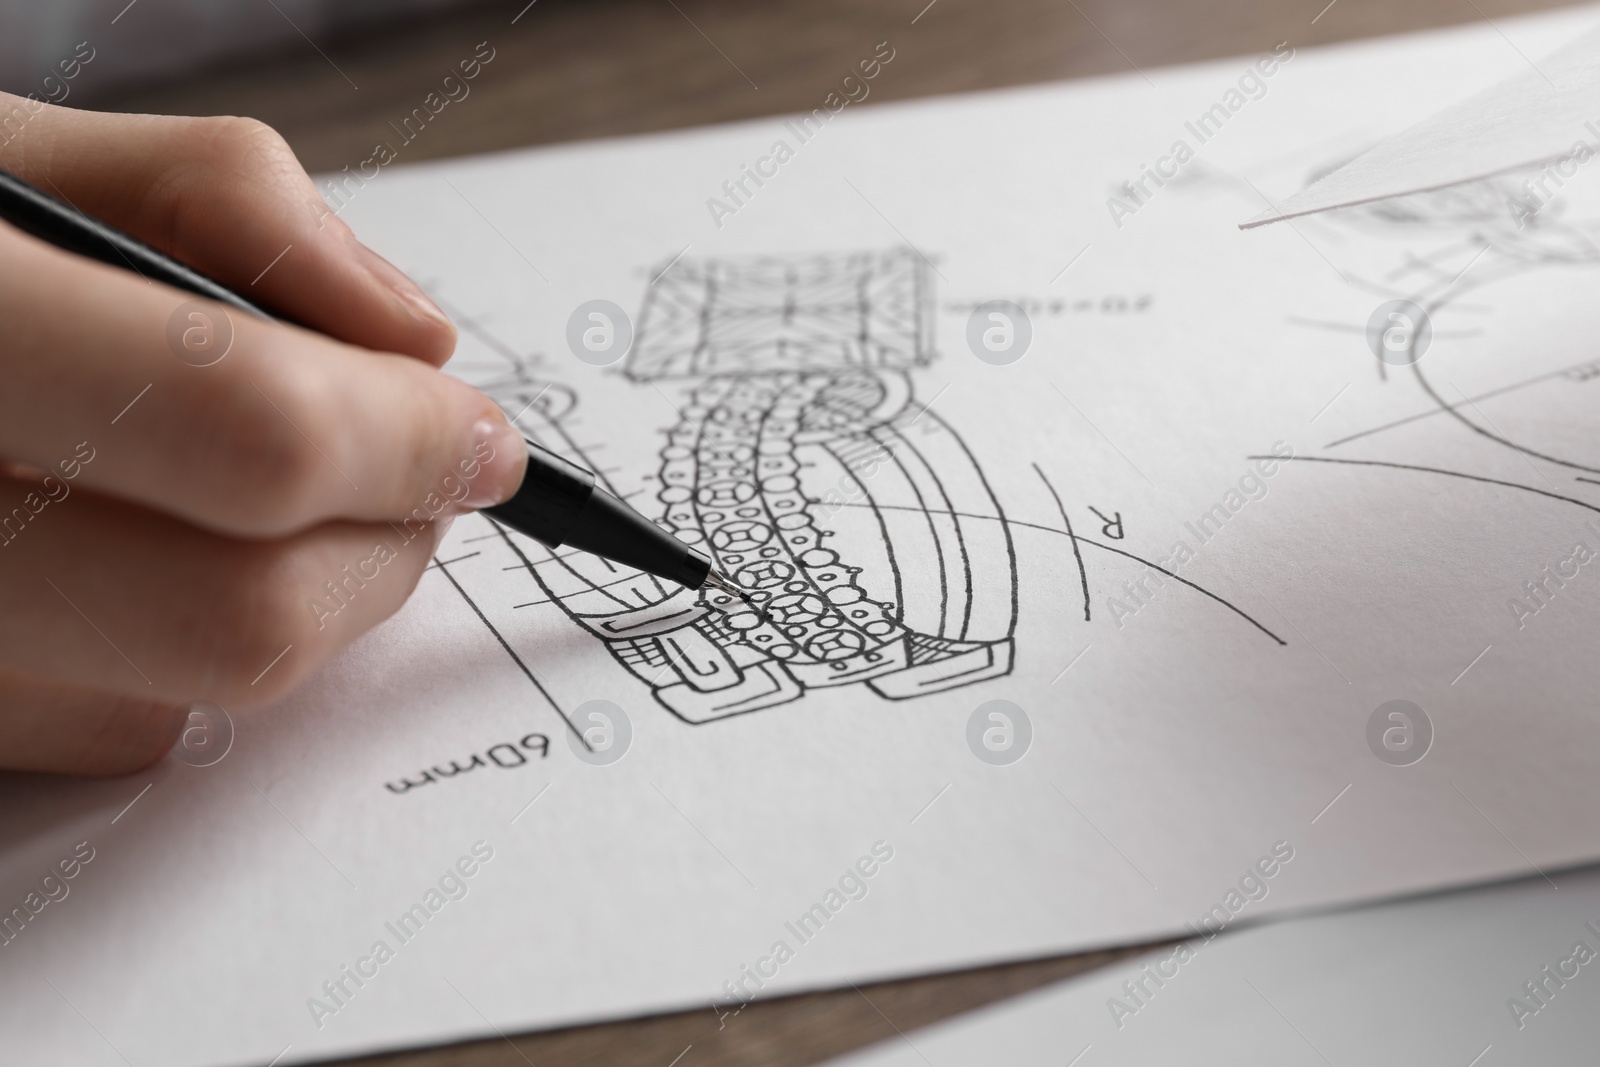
420	306
501	458
394	279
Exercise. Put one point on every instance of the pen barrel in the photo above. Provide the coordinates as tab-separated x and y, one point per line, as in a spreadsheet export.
608	527
549	500
41	215
559	505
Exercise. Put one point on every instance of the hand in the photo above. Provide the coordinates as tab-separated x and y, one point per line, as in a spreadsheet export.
168	530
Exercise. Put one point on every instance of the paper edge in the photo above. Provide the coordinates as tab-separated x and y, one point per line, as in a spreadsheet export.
1272	215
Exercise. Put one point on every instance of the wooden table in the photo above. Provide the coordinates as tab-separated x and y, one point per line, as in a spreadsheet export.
574	69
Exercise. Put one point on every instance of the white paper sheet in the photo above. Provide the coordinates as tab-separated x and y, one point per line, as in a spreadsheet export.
1179	732
1504	974
1546	113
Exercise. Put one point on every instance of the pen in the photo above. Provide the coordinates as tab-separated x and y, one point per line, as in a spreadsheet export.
557	504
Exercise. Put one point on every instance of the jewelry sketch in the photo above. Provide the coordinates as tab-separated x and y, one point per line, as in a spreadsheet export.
804	462
1475	237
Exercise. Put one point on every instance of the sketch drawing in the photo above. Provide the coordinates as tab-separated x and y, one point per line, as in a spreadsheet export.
1462	253
804	461
793	383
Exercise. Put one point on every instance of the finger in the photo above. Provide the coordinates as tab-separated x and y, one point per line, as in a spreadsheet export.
108	596
65	730
286	430
228	197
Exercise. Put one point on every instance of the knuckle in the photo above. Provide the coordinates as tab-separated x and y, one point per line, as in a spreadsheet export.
261	610
264	432
245	142
216	171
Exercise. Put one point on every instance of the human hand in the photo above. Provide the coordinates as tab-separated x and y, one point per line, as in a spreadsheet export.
167	529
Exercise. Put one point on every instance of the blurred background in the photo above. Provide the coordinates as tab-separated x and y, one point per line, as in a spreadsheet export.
170	38
332	74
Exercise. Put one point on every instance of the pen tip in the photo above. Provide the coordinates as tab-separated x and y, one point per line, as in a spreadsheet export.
715	579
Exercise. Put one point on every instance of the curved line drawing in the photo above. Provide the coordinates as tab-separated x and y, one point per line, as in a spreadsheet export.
1079	539
1473	237
1483	222
1440	470
1077	552
1454	410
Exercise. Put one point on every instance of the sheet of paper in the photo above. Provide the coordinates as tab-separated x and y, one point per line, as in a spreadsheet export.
1197	648
1544	114
1503	974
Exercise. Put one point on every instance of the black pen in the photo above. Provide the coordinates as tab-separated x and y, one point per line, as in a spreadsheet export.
557	504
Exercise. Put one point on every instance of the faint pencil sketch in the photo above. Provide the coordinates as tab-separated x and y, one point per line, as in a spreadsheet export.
1460	244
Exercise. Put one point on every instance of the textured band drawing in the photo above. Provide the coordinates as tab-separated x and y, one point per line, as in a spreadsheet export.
792	380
